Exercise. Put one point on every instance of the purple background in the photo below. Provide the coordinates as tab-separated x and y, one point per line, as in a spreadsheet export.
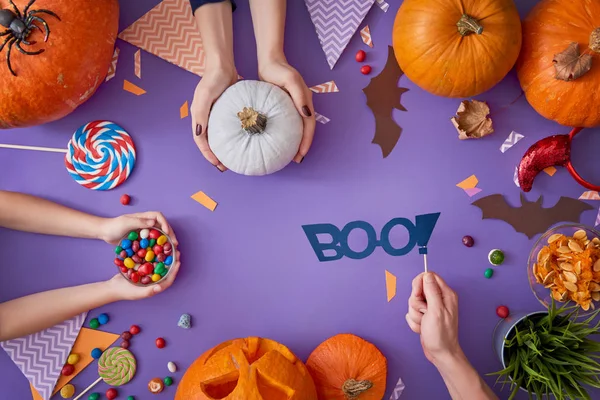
248	268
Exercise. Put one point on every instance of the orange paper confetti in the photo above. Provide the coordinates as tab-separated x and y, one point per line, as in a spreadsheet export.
137	62
205	200
327	87
131	88
390	285
365	35
184	110
112	69
550	171
468	183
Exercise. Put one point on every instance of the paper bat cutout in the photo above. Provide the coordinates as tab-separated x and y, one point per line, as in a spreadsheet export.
531	218
383	96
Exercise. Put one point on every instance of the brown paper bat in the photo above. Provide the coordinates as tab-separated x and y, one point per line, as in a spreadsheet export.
383	95
531	218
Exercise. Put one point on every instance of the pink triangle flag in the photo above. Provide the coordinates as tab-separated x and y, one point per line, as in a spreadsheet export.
42	355
472	191
169	31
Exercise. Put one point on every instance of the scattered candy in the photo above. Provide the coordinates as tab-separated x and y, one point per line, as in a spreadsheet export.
144	233
125	344
488	273
502	311
67	391
111	394
126	335
361	56
67	370
160	343
130	398
103	319
185	321
156	385
168	381
73	359
134	330
365	69
125	199
94	324
172	367
94	396
496	257
468	241
96	353
154	234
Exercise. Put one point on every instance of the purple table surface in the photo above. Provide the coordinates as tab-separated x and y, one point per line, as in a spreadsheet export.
248	269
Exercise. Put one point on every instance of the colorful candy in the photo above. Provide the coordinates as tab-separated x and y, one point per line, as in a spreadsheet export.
135	246
129	263
365	69
73	359
496	257
146	280
94	324
133	235
96	353
468	241
125	199
172	367
156	277
67	391
162	239
169	260
185	321
154	234
94	396
360	56
488	273
130	398
156	385
134	330
126	335
67	370
168	381
502	311
160	343
111	394
125	344
103	319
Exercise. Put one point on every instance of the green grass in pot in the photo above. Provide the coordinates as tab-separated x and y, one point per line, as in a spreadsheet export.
552	354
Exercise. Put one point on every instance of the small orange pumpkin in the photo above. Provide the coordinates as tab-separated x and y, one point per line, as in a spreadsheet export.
455	48
247	369
548	30
347	367
74	61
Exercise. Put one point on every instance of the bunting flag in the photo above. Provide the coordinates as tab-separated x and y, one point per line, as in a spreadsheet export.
398	389
510	141
169	31
327	87
516	177
383	5
112	69
321	118
137	63
590	195
365	35
336	21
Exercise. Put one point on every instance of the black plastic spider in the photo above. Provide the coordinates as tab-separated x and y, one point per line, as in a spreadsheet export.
19	27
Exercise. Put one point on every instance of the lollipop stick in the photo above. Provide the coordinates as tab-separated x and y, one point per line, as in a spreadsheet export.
16	146
425	262
88	389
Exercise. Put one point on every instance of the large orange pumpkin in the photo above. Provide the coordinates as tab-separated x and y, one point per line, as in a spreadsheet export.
347	367
76	57
548	30
457	48
247	369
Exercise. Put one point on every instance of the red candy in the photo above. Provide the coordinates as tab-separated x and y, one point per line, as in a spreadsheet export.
142	253
135	246
502	311
125	344
160	343
157	249
111	394
361	56
154	234
125	199
67	370
365	69
146	280
137	259
119	262
161	257
135	277
167	248
126	335
134	330
123	269
129	272
123	254
146	269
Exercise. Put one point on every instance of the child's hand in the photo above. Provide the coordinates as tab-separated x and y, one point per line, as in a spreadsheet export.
121	289
112	230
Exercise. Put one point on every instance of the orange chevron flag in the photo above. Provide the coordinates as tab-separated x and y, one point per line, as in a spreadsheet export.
169	31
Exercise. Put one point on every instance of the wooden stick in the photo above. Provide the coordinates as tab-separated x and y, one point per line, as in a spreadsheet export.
88	389
49	149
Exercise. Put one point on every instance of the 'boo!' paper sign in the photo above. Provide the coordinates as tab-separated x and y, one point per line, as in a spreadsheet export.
337	243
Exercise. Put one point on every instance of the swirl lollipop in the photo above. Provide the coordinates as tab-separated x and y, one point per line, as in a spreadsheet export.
116	367
100	156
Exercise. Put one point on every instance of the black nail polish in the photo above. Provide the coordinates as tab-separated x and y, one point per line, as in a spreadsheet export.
306	111
198	130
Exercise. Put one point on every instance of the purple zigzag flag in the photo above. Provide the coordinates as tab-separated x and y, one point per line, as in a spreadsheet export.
336	22
41	356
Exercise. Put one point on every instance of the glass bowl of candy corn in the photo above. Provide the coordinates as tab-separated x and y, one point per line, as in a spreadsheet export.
145	256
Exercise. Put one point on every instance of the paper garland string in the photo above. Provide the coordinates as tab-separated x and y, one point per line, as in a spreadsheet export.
365	35
112	70
321	118
137	63
510	141
590	195
383	5
327	87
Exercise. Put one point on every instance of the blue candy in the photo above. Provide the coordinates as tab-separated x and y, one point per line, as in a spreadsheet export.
169	260
126	244
144	243
103	319
96	353
130	252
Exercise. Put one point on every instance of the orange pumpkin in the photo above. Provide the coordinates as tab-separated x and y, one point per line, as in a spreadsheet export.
457	48
346	367
247	369
548	30
76	57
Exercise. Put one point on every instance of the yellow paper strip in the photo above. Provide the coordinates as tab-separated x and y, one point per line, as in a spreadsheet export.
205	200
184	110
469	183
131	88
550	171
390	285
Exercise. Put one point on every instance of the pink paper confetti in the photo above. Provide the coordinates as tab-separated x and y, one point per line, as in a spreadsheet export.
112	70
321	118
327	87
365	35
398	389
590	195
383	5
138	63
472	192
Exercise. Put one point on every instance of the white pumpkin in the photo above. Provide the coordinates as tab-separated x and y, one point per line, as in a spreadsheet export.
254	128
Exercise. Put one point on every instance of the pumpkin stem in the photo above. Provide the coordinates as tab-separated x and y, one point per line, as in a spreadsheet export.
467	25
252	121
595	40
353	388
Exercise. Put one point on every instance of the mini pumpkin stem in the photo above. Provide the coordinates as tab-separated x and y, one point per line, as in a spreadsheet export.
353	388
467	25
595	40
253	122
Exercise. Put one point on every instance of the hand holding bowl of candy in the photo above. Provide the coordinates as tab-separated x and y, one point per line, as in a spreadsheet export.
145	256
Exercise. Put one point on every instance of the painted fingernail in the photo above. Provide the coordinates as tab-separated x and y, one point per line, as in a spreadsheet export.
300	162
198	130
306	111
219	168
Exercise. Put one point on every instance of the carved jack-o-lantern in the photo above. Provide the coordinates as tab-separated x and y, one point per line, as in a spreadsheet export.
247	369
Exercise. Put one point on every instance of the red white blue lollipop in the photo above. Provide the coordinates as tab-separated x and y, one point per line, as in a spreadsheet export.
100	156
